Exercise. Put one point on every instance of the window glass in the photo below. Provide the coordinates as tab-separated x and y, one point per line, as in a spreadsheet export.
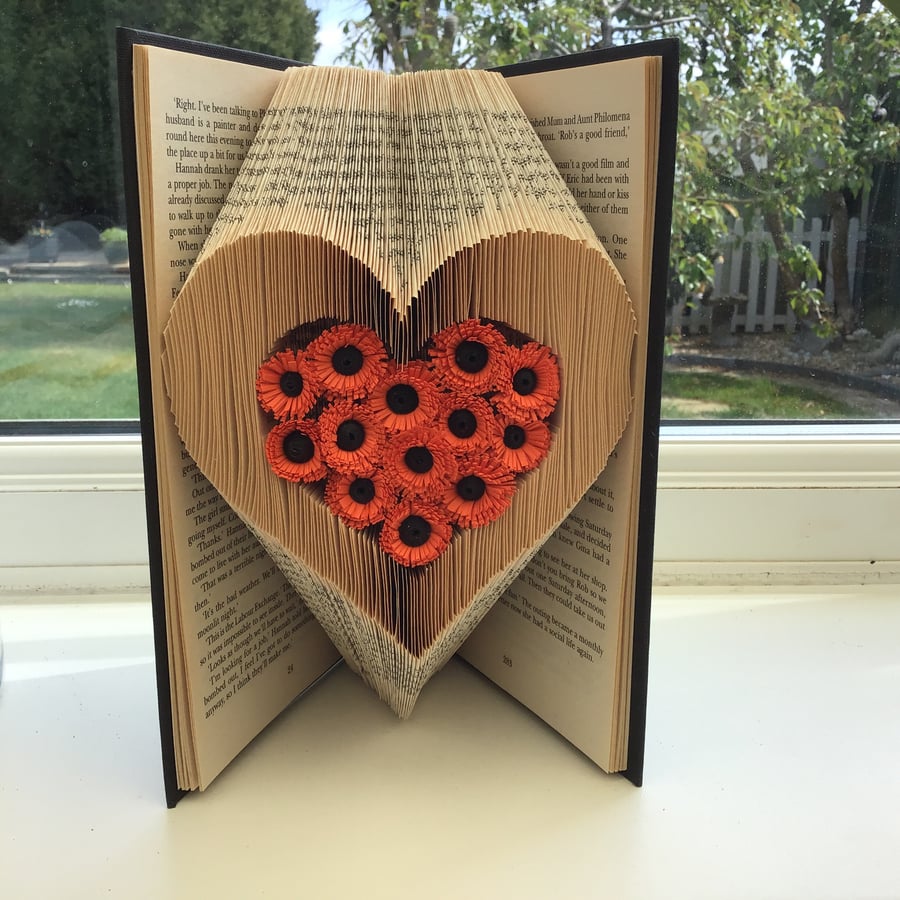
66	328
783	300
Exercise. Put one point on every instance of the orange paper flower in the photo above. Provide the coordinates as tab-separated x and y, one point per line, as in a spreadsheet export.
348	360
293	451
285	386
415	532
407	397
411	451
358	501
521	443
528	382
465	421
482	492
352	441
420	461
467	355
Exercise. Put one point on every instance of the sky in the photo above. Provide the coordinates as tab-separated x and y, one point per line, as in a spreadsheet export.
330	35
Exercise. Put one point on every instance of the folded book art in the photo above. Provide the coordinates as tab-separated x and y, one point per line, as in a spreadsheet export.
383	357
399	361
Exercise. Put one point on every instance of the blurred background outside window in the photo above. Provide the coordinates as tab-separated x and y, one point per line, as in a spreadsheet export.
784	289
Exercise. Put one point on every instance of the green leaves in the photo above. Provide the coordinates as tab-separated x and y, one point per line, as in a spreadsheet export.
58	79
776	94
773	109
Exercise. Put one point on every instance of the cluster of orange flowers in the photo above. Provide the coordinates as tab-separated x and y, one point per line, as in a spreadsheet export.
414	449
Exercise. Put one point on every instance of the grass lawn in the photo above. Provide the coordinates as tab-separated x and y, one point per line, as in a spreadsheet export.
66	351
718	395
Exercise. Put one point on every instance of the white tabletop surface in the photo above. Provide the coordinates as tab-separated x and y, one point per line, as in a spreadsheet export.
772	770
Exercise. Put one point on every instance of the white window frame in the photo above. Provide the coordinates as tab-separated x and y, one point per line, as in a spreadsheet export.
798	504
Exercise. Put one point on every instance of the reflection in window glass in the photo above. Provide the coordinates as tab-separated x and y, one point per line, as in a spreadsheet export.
783	301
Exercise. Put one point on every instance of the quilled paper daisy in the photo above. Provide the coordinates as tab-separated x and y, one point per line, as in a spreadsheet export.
412	451
465	421
293	452
407	397
467	355
352	440
521	443
415	532
419	461
357	500
348	360
481	493
529	382
285	386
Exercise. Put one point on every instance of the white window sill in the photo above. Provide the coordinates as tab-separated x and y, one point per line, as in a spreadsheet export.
736	504
771	770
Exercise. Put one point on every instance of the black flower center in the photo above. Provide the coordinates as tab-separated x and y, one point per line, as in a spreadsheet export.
362	490
350	435
347	360
524	381
414	531
514	437
471	356
418	460
470	488
291	384
462	423
298	447
402	399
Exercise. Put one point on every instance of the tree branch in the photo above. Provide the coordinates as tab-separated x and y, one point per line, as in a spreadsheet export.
673	21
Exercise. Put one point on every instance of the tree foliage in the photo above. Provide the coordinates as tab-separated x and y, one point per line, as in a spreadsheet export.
782	105
780	96
405	35
58	93
281	27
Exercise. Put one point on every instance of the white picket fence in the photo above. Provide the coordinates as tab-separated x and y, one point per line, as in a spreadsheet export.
748	273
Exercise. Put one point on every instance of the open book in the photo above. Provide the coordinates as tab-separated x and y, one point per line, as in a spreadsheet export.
293	290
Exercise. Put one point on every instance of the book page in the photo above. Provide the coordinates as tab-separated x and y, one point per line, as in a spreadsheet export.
308	261
559	639
242	645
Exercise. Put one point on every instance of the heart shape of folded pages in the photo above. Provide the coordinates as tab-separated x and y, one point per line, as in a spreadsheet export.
526	259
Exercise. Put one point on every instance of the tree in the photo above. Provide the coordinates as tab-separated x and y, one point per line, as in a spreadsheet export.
405	35
774	110
55	105
280	27
852	60
788	83
57	102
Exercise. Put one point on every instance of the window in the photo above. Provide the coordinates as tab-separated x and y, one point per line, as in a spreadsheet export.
742	341
787	212
783	303
66	333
